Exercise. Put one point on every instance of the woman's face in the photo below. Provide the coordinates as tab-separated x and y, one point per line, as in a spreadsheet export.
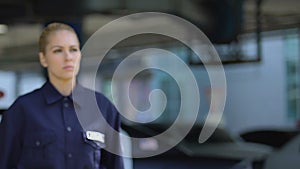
62	56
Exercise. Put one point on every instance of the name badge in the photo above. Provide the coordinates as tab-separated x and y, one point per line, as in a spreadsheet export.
95	136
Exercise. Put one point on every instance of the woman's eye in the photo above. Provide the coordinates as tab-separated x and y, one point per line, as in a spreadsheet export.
57	50
74	50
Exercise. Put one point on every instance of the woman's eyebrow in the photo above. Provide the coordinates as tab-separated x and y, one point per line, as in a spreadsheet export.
58	46
55	46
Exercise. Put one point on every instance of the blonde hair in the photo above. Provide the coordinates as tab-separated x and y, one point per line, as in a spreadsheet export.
52	27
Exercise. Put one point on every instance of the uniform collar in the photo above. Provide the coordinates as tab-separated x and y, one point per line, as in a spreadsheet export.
51	94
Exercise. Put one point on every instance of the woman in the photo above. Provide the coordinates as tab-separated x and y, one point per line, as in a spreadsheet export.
41	129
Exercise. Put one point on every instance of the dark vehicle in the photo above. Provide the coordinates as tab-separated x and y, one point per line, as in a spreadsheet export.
285	143
220	151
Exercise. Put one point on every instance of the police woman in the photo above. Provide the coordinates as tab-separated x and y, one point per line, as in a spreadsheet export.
41	129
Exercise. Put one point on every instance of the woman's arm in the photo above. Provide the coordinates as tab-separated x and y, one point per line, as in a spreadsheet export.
10	134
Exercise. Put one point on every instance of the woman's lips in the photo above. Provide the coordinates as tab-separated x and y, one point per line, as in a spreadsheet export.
68	67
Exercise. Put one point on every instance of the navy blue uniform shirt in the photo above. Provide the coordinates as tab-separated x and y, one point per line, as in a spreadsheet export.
41	131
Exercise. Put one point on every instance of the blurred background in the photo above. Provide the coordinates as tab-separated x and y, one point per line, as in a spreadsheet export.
257	41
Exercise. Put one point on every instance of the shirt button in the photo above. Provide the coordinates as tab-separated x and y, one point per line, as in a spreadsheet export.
69	155
37	143
66	104
69	129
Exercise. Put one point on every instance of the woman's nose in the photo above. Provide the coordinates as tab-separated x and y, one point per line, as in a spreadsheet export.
68	55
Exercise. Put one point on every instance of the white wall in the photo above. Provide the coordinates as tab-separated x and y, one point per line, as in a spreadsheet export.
256	92
30	81
14	85
256	95
7	85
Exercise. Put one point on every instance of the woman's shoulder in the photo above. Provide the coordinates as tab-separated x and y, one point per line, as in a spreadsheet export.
88	93
34	94
23	101
99	95
29	97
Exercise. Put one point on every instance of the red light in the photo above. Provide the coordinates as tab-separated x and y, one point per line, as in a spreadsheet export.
1	94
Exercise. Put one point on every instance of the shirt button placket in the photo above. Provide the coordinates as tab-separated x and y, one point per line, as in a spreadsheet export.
68	129
66	104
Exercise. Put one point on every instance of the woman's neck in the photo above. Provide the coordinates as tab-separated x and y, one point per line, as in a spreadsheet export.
64	87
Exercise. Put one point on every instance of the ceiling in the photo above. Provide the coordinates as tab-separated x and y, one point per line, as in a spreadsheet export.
221	20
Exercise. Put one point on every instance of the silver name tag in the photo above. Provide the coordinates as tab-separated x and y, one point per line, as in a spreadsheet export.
95	136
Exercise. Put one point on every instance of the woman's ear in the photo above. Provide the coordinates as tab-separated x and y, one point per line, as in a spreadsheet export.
43	60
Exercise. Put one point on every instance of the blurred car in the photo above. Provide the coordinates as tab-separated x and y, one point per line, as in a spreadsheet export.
285	143
220	151
286	157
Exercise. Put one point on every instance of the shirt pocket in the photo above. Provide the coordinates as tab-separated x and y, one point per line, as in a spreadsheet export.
93	150
38	147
